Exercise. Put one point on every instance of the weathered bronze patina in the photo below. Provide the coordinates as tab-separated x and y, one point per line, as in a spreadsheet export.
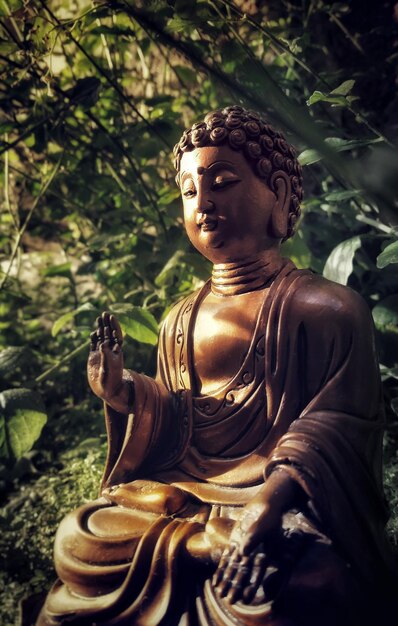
243	484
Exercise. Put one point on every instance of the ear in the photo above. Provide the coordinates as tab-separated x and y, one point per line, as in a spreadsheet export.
281	186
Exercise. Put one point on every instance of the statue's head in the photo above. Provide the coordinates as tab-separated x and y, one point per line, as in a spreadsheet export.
265	149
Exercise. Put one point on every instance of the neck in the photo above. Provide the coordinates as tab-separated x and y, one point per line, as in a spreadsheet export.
245	275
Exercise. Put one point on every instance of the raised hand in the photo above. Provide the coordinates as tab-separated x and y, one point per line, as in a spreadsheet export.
105	363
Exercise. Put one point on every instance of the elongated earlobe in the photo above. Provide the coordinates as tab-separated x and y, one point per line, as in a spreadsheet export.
281	186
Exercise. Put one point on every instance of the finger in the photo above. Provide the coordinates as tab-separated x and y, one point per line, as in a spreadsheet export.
116	329
229	573
115	338
106	324
218	576
100	329
116	348
93	341
105	318
242	574
258	569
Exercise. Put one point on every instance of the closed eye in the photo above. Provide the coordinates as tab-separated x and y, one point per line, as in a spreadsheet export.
189	193
189	189
220	182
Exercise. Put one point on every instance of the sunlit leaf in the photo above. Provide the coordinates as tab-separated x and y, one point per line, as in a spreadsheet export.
339	196
9	7
307	157
339	264
11	358
338	97
137	322
296	249
343	89
173	262
64	269
385	313
388	256
62	321
24	415
319	96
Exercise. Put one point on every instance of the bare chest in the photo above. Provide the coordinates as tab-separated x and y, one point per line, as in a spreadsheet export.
223	331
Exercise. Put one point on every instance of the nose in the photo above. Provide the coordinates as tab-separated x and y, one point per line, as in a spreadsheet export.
205	203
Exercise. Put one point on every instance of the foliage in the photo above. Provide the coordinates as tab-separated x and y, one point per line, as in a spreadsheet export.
93	97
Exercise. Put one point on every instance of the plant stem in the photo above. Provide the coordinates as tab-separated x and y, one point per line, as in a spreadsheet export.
26	222
68	357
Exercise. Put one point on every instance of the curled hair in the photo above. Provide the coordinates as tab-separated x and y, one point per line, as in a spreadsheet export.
265	148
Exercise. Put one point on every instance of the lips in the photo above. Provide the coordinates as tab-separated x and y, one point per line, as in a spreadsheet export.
208	224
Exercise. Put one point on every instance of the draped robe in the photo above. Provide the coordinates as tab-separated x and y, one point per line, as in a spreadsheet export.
306	398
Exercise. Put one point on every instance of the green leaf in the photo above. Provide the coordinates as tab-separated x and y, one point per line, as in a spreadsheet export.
169	196
339	264
173	262
388	256
339	196
319	96
343	89
186	75
67	317
385	313
336	97
307	157
201	267
23	416
85	92
297	250
63	269
137	322
9	7
11	358
387	372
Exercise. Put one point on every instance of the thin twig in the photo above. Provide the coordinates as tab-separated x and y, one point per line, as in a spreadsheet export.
6	187
65	359
27	220
346	32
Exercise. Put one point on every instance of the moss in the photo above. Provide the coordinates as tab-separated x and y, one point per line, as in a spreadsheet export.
29	521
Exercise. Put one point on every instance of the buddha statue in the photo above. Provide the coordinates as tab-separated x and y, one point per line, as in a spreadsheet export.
243	484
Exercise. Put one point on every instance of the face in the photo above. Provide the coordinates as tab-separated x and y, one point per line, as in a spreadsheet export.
227	208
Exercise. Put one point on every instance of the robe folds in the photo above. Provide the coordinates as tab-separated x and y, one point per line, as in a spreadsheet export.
306	398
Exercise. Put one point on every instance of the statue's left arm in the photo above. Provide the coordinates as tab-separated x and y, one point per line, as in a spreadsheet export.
324	388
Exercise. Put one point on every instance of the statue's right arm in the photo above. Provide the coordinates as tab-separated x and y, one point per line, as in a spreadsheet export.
106	376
